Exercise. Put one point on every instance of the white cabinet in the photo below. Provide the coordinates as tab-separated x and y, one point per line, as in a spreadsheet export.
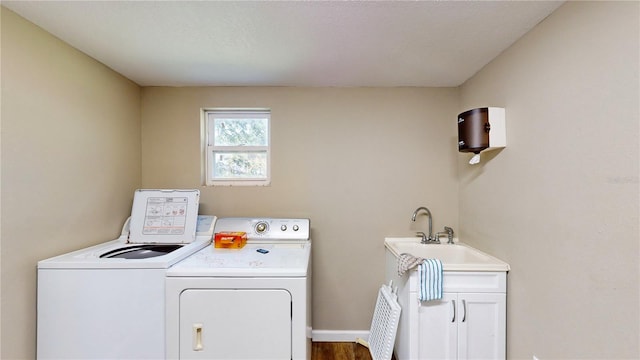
469	322
437	328
482	326
463	326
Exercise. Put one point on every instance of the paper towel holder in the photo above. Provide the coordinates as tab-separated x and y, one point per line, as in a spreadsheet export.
481	129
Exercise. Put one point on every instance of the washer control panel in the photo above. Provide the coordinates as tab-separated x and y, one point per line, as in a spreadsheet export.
266	228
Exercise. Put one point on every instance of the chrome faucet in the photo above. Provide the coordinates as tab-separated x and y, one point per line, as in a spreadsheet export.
426	238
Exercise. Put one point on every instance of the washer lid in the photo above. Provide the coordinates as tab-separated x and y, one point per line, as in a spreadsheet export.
164	216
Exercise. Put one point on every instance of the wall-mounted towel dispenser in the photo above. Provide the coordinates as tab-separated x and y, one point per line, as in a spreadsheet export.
481	129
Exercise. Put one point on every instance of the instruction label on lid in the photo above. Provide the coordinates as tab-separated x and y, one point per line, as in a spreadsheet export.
164	216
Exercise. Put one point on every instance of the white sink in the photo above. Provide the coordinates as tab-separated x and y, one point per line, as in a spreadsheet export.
454	257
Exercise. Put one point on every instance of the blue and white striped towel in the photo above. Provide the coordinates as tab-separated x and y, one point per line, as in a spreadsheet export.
430	280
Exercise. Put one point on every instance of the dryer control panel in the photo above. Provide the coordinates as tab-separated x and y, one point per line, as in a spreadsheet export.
267	228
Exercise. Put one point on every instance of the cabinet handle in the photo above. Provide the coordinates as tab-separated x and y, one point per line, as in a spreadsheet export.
197	337
464	308
453	307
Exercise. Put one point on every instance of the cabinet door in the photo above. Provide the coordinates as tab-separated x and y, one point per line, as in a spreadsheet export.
481	326
437	328
235	324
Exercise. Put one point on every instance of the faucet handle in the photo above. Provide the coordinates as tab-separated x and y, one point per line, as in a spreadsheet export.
422	235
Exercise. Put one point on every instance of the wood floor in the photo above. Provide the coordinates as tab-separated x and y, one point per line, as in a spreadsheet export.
339	351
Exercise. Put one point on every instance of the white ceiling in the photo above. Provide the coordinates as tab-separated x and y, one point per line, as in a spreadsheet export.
289	43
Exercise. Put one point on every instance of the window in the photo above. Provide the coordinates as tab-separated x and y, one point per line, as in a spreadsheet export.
237	150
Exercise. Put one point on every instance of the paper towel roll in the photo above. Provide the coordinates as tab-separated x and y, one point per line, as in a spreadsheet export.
475	159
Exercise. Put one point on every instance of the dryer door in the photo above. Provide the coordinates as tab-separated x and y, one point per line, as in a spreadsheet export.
235	324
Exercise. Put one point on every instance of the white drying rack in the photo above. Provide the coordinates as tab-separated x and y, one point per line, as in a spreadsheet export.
384	324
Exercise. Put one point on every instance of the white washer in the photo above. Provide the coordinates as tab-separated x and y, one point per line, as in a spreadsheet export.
107	301
249	303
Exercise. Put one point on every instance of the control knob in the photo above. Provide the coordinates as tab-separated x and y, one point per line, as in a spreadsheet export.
261	227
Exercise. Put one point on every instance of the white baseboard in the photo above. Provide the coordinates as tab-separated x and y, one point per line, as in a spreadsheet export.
338	335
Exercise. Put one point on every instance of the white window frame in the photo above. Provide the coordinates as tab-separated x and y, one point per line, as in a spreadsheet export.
209	147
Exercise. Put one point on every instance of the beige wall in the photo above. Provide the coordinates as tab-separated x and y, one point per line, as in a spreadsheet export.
560	203
70	163
356	161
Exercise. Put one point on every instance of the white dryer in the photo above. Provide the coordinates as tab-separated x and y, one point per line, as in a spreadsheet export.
107	301
249	303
